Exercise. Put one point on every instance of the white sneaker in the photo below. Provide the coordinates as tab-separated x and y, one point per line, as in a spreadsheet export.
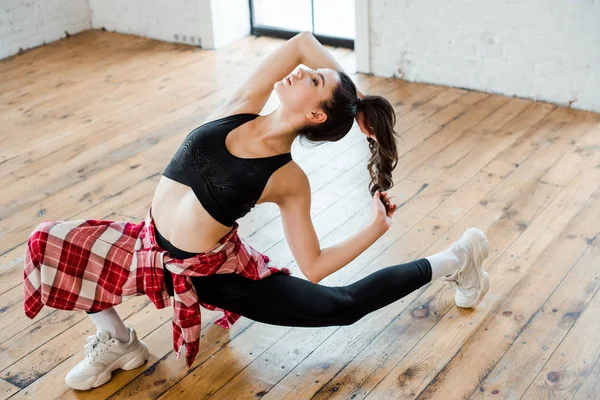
472	282
103	355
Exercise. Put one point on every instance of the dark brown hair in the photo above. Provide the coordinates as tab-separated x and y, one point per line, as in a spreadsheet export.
341	109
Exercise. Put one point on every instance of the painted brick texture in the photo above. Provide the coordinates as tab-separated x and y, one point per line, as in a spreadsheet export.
546	50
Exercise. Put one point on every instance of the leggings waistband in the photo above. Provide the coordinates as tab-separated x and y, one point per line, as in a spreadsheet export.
173	251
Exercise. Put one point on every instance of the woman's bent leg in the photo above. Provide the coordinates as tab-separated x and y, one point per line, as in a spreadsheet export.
286	300
84	265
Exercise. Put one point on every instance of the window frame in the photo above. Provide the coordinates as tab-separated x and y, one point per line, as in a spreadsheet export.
261	30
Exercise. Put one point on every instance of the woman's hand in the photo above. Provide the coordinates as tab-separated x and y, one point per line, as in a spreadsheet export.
382	214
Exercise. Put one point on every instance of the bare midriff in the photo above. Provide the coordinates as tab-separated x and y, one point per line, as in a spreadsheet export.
179	216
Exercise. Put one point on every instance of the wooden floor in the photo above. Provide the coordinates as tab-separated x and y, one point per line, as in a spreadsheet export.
87	125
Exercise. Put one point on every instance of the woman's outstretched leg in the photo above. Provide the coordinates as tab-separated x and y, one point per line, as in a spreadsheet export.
286	300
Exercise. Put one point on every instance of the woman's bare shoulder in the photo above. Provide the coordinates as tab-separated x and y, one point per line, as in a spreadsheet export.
288	181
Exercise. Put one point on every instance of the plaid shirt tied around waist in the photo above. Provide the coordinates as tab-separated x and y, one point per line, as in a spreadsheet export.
92	265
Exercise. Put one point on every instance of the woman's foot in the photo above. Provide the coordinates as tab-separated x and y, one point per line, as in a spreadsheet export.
472	282
103	355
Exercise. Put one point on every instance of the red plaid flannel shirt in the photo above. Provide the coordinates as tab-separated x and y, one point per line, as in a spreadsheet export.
92	265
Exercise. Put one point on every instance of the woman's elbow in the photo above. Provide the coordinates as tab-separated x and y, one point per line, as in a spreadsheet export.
302	38
314	279
305	33
315	272
311	274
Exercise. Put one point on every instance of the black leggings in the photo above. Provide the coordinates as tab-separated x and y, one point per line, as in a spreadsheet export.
286	300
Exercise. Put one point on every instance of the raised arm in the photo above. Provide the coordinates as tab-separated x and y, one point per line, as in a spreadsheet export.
253	92
314	262
314	55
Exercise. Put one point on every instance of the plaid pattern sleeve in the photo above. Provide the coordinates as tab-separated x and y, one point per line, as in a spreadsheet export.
92	265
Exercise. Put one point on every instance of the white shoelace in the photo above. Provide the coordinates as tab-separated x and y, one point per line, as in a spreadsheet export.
94	348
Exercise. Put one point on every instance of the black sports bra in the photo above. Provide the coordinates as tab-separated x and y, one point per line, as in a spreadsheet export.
227	186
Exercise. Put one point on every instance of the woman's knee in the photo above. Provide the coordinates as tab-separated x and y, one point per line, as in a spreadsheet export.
347	314
341	306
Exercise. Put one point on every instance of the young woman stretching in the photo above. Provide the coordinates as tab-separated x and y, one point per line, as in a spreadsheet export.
188	248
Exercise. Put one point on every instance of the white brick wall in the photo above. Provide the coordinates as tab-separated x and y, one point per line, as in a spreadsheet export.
209	23
546	50
29	23
183	21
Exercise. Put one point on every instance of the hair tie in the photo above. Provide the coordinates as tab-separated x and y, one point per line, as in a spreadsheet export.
359	103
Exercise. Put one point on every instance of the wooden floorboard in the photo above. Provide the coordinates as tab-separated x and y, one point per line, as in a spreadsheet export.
90	122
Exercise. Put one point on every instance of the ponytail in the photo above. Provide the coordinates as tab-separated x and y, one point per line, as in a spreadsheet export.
341	109
380	115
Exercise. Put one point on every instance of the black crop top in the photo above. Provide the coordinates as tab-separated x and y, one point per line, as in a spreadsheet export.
227	186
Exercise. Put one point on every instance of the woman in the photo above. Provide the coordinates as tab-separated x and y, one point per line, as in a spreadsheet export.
188	248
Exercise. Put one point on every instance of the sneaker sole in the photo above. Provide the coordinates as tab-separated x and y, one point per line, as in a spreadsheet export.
483	277
127	362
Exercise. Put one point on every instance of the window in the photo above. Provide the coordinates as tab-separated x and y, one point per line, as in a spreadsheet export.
331	21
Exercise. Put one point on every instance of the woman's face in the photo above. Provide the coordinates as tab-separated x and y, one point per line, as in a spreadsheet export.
304	89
